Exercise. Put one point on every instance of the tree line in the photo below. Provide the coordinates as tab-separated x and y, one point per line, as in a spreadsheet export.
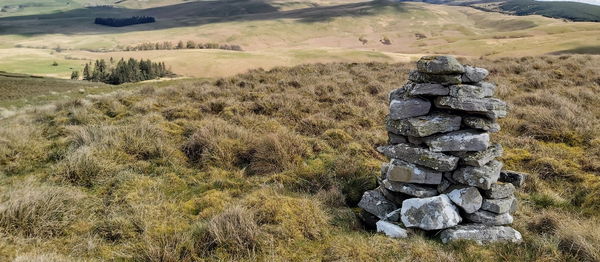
181	45
123	71
119	22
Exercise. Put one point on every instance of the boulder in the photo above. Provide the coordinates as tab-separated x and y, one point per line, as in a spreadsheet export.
416	89
462	140
514	206
402	171
398	94
443	186
384	170
419	77
410	189
440	65
489	218
486	85
391	230
482	123
474	74
470	91
482	177
420	156
415	140
513	177
480	158
375	203
489	107
498	206
394	197
499	190
468	198
431	213
396	139
481	234
406	108
422	126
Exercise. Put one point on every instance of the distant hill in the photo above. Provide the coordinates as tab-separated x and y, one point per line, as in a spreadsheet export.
574	11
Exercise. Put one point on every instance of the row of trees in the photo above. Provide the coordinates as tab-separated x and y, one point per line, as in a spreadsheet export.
123	71
119	22
181	45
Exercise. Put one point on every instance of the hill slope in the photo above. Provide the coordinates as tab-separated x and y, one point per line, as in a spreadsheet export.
269	165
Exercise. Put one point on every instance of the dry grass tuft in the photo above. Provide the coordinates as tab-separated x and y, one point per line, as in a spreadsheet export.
235	231
40	211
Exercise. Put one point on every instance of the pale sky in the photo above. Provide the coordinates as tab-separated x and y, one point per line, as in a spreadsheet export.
593	2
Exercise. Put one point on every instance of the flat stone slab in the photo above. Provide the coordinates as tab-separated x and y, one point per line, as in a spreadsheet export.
480	158
474	74
390	229
498	206
481	234
419	77
398	94
402	171
440	65
489	218
410	189
416	89
467	198
375	203
422	126
499	190
421	156
513	177
406	108
485	124
462	140
482	177
431	213
470	91
394	197
396	139
489	107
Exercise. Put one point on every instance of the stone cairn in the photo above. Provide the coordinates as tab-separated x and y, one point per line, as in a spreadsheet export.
443	173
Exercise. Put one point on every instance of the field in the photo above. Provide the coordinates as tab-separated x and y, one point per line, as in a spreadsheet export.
278	33
269	166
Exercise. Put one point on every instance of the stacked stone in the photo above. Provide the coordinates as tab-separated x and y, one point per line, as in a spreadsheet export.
443	173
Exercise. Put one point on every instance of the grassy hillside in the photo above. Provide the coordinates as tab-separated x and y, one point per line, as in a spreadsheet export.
269	166
277	33
568	10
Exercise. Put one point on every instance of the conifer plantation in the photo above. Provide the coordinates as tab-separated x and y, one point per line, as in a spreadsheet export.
123	71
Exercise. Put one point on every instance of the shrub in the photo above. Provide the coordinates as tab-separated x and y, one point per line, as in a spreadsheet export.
275	153
80	167
235	231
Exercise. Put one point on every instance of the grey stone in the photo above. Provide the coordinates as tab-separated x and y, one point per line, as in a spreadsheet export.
384	170
489	218
468	198
486	85
470	91
410	189
498	206
482	177
489	107
391	230
514	206
513	177
463	140
375	203
418	77
396	139
443	186
406	108
431	213
474	74
481	234
402	171
422	126
421	156
499	190
415	140
394	197
398	94
440	65
415	89
485	124
480	158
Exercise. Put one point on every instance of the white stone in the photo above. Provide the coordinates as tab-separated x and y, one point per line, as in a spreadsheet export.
391	230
